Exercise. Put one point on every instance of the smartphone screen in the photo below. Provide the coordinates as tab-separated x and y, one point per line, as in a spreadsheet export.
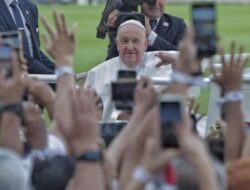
110	130
170	114
12	39
5	60
204	22
5	54
123	94
123	74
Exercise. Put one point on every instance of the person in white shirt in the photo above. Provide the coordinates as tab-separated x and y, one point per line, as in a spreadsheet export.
131	43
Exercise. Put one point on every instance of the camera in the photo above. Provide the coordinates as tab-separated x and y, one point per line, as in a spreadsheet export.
123	6
204	22
123	93
123	90
172	110
13	39
109	130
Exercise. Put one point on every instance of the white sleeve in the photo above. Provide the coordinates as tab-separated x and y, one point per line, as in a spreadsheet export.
90	80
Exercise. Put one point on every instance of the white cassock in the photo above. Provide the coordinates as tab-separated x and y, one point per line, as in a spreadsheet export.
100	77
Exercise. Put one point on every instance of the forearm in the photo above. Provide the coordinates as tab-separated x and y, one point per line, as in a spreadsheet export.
87	176
177	88
206	174
50	107
134	185
65	86
120	143
10	137
163	45
234	134
246	147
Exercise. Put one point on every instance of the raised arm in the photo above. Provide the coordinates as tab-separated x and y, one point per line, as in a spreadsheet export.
230	81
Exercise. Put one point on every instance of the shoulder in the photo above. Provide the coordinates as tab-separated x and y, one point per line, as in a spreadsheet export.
105	65
173	19
31	6
28	3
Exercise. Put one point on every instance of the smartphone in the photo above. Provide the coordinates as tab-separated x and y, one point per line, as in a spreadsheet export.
109	130
123	93
5	60
204	23
124	74
5	54
171	113
13	39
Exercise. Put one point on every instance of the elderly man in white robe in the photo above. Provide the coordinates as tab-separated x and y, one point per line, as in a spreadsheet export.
131	43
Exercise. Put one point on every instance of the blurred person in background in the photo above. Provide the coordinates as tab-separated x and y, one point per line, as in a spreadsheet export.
164	31
22	15
13	176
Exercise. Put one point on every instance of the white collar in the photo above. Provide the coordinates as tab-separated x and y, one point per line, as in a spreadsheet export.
137	68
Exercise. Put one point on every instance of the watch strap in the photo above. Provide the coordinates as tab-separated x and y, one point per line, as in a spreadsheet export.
90	156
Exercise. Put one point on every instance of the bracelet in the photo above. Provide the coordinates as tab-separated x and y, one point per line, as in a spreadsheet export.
14	108
231	96
188	80
90	156
141	175
64	70
43	154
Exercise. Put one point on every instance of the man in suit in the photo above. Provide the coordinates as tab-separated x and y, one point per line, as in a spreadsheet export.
164	31
23	15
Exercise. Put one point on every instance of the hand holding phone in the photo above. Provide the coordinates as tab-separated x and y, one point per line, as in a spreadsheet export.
172	109
204	22
5	59
123	90
13	39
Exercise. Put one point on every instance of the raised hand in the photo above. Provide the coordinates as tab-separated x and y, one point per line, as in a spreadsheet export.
34	122
83	134
61	42
187	62
167	58
112	18
231	75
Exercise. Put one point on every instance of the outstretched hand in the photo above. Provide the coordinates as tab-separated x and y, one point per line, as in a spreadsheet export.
60	43
83	134
231	75
187	62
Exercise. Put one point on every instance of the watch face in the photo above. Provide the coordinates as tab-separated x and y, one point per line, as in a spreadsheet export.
91	156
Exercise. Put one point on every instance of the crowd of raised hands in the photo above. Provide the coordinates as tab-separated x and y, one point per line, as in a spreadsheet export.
135	160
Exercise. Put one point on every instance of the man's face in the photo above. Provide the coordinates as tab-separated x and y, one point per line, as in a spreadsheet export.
131	43
155	11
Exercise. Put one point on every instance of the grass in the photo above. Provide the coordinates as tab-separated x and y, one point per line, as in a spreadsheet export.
233	24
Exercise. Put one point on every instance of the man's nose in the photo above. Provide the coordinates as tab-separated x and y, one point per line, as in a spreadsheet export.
130	45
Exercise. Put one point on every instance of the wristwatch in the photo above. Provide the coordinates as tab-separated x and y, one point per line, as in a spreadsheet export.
15	108
90	156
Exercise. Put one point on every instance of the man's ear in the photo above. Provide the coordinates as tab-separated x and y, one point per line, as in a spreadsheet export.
116	41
